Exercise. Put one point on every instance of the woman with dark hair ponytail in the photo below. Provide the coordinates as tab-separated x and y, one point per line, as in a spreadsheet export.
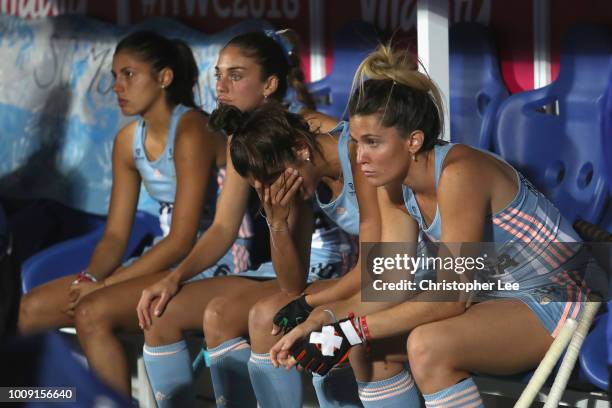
300	98
170	150
252	71
171	54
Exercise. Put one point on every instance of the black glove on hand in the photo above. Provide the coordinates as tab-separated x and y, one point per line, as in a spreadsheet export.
292	314
328	348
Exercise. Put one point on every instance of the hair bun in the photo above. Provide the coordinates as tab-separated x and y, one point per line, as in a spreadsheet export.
227	118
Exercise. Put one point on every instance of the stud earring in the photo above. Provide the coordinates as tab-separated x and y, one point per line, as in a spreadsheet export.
414	158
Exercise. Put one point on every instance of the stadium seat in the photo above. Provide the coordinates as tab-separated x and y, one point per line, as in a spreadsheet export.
352	43
609	343
606	132
606	143
595	352
552	134
476	86
606	221
47	360
73	255
37	224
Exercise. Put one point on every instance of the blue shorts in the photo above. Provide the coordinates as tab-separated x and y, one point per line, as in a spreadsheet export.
331	253
564	297
324	264
560	296
235	260
553	304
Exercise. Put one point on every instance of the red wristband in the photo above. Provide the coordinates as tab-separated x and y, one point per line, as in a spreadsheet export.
366	330
84	276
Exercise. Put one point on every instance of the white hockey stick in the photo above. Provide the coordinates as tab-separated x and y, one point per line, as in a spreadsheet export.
569	360
547	364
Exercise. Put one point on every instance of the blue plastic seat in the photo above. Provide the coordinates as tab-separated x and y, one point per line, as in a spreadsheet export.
352	43
606	142
552	134
606	132
476	85
73	255
606	221
47	360
609	341
595	353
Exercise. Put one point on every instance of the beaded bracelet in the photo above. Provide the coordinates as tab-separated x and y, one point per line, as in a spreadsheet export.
85	276
279	229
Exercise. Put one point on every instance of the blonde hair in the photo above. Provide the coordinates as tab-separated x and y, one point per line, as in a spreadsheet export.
395	72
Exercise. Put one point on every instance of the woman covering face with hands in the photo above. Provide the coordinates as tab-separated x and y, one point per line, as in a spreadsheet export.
252	70
284	159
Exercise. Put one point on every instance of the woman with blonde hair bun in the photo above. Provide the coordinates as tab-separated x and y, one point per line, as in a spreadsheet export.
450	194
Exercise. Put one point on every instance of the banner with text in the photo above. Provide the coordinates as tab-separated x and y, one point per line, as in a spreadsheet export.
59	112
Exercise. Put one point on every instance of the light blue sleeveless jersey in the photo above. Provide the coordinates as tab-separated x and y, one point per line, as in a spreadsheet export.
159	176
332	251
549	246
344	209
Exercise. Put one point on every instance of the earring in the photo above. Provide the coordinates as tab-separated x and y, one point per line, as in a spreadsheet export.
414	158
308	158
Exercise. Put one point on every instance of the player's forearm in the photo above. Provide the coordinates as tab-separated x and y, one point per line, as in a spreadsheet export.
344	288
291	271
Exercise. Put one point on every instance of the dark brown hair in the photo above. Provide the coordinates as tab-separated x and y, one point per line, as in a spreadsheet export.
161	52
265	140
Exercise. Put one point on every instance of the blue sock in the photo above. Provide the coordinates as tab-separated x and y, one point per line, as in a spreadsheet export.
230	375
274	387
397	391
461	395
169	371
337	389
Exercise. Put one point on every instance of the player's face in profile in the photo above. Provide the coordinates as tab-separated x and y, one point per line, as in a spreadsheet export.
136	86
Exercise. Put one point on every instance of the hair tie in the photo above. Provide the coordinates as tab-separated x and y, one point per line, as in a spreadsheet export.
285	45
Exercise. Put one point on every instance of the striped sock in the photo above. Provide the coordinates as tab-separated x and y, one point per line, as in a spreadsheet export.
397	391
169	372
274	387
464	394
229	373
338	388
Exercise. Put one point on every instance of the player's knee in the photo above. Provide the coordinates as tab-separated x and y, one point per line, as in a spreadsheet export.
214	321
164	327
90	316
29	308
261	315
426	351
